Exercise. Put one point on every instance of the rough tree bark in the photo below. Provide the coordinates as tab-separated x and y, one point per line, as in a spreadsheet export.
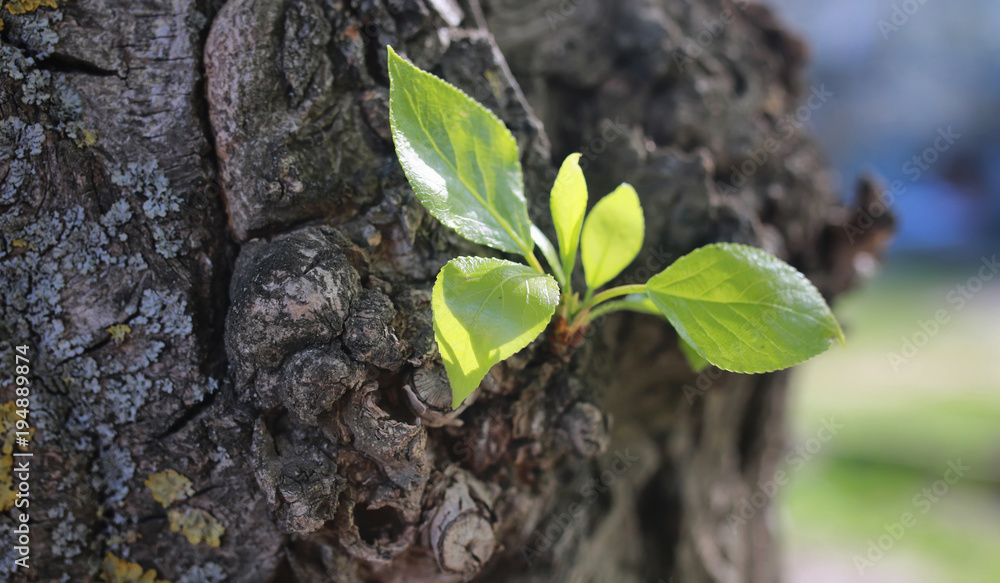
210	247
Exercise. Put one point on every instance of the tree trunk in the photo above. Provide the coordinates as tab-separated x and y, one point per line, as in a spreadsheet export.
220	270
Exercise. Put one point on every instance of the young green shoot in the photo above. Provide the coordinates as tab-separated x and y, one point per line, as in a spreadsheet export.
733	306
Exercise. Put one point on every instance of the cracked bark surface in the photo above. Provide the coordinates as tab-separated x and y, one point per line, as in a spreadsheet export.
220	178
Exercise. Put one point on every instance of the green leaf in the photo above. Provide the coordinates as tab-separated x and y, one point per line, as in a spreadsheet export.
696	361
612	236
484	311
743	309
569	205
550	254
461	161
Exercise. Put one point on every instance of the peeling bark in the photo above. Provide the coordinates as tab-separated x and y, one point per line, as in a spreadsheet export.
220	179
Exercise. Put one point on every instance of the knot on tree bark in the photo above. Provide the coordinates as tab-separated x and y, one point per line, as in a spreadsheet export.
310	346
346	390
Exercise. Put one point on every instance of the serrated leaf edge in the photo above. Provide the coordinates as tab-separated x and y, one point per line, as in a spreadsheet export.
507	135
838	337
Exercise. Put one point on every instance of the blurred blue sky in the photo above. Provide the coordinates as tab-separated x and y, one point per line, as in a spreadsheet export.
903	73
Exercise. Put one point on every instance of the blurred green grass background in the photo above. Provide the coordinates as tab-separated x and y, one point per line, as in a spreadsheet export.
900	430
